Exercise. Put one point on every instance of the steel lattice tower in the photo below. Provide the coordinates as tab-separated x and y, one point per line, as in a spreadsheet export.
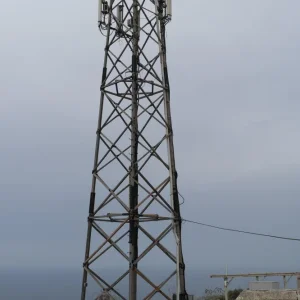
134	171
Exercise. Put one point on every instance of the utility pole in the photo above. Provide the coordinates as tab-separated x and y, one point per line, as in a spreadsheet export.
226	284
134	164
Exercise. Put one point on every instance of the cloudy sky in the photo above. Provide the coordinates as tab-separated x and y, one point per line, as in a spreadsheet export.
234	70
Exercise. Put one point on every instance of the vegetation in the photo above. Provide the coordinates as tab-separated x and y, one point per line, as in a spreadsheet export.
232	295
218	294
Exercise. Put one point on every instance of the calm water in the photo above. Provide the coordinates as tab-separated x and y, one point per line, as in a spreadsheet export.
66	285
62	285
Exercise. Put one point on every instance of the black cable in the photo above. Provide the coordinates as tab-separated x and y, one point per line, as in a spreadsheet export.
183	200
242	231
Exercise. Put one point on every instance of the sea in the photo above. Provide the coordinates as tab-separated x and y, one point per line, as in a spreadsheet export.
25	284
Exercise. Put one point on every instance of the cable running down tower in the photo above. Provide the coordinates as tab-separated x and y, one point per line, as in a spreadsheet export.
134	205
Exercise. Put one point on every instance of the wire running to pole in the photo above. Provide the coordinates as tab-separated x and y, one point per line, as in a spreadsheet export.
242	231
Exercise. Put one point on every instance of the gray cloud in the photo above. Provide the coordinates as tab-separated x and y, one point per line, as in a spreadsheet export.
234	72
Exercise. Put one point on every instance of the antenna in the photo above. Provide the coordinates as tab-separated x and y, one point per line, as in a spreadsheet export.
100	3
169	9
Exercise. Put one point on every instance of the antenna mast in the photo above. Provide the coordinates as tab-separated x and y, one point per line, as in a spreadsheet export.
134	174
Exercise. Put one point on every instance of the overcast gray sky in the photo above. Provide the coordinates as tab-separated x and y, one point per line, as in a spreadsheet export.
234	70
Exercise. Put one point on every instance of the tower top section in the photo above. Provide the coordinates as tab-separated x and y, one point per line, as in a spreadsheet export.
124	22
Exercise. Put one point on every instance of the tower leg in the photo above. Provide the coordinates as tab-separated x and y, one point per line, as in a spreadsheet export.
177	221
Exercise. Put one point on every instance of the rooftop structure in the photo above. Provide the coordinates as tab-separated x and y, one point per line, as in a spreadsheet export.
270	295
263	285
229	277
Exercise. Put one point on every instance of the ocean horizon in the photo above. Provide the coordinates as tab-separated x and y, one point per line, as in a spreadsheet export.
60	284
65	284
